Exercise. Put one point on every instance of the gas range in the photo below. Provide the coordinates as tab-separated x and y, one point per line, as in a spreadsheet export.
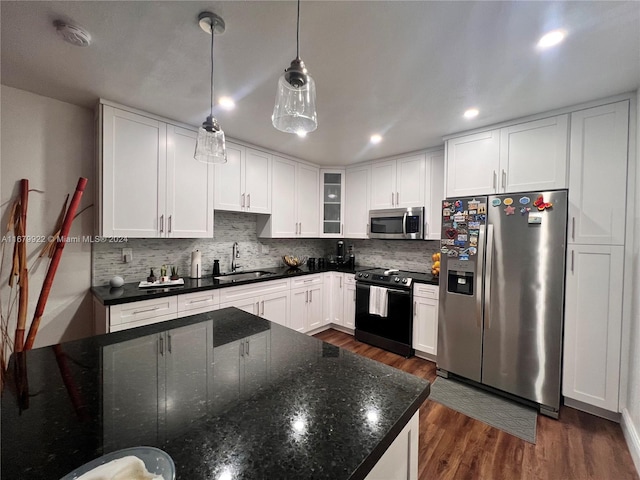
391	278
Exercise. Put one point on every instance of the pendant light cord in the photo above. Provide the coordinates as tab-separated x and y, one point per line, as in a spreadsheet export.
213	25
298	33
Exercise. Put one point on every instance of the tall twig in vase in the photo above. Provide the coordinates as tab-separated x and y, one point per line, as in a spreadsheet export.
23	270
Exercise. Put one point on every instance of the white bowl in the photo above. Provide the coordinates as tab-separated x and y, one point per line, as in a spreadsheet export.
155	460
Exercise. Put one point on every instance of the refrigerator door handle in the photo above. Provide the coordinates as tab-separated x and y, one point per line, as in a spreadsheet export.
480	280
487	277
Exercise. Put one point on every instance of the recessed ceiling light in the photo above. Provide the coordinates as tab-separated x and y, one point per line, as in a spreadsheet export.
550	39
471	113
375	138
301	133
227	103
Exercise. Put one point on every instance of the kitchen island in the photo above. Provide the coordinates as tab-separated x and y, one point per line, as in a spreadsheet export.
226	394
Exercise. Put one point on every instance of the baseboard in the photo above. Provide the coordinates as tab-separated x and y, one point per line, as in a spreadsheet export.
632	436
426	356
597	411
342	329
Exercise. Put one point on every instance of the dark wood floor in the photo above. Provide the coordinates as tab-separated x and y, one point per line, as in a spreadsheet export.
453	446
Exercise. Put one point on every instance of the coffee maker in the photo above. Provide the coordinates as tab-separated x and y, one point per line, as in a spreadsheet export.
340	254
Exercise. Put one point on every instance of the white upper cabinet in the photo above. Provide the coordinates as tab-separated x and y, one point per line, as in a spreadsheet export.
189	187
151	186
598	174
356	216
332	203
243	184
519	158
398	183
533	155
472	164
434	194
295	203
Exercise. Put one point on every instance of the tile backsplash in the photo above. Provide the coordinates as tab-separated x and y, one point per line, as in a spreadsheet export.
255	252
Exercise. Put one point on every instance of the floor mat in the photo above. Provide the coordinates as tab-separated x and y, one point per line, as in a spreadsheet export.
511	417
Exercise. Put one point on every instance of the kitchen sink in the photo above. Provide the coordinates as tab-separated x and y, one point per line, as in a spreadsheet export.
236	277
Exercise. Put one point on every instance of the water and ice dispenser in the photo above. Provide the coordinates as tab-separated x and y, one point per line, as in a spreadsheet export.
460	277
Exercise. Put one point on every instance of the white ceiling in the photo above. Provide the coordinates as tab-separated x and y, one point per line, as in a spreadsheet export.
407	70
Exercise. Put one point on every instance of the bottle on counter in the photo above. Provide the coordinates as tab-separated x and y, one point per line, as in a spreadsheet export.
352	257
216	267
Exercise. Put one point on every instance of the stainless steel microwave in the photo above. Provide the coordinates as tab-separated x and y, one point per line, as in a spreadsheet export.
397	223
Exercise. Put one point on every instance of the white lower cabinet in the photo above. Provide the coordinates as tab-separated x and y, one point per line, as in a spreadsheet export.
306	303
400	461
349	301
425	318
593	325
333	308
146	312
268	300
198	302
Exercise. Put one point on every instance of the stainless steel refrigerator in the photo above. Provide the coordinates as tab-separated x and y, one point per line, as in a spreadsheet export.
502	270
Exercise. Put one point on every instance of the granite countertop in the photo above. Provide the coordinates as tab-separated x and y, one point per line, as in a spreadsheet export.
224	391
130	292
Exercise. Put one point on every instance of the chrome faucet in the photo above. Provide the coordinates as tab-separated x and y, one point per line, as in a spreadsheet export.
235	253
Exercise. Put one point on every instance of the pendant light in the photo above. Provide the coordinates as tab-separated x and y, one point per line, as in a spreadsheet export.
295	108
210	146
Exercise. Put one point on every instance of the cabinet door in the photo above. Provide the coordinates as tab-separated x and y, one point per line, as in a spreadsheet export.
275	307
314	307
308	187
336	288
383	185
356	215
598	174
298	315
134	166
425	325
349	306
410	181
256	362
283	219
229	181
225	385
593	322
249	305
188	353
130	371
434	195
257	187
332	203
472	164
533	155
189	188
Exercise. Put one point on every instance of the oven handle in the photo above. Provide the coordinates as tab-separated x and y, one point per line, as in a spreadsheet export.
390	289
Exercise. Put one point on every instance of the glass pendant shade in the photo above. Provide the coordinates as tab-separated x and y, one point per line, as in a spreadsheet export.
210	145
295	108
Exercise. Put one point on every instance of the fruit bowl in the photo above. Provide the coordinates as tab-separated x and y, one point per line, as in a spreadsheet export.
435	265
292	261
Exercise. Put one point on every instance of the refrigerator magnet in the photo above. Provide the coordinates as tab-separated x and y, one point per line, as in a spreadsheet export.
452	253
508	201
446	212
496	202
535	218
446	241
446	204
444	249
463	257
460	243
474	224
462	238
473	212
472	205
473	250
482	208
524	210
473	241
509	210
524	201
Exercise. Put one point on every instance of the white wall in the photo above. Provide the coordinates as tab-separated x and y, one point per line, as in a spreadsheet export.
631	411
51	143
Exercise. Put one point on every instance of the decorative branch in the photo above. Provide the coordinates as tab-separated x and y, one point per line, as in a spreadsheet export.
23	277
53	266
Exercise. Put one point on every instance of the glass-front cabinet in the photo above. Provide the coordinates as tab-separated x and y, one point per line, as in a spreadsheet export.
332	201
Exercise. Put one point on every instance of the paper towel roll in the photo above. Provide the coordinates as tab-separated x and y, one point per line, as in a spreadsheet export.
196	264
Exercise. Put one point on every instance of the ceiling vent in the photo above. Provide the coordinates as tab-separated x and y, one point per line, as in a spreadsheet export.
73	34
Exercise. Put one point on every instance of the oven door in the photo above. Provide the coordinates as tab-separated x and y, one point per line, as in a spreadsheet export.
393	332
397	223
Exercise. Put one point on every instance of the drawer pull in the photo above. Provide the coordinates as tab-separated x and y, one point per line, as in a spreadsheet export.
199	301
136	312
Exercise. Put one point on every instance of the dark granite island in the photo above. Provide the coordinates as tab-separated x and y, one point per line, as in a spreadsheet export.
227	394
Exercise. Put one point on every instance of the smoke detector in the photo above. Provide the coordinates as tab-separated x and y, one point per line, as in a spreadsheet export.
73	34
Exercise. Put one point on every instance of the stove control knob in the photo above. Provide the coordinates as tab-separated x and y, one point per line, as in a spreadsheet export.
359	275
366	275
404	280
397	279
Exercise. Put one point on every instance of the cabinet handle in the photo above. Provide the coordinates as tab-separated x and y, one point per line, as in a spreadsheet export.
392	200
257	308
242	203
415	308
262	307
341	226
170	222
368	230
341	283
397	198
247	346
504	179
495	180
169	342
161	223
147	310
242	348
161	345
572	261
198	301
573	228
248	200
354	295
310	296
306	296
